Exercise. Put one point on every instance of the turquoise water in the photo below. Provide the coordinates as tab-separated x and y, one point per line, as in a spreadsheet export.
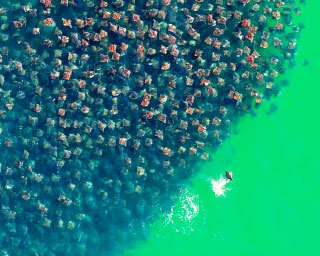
69	185
273	205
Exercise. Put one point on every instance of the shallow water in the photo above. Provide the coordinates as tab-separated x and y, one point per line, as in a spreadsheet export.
271	207
273	204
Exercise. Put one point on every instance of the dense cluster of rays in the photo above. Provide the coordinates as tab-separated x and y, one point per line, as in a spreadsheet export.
106	105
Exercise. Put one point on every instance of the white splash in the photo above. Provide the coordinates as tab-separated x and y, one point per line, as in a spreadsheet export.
218	186
186	208
187	214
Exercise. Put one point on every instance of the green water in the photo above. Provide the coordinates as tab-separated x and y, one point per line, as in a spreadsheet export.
274	204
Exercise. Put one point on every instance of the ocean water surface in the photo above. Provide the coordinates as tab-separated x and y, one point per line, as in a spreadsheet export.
273	205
